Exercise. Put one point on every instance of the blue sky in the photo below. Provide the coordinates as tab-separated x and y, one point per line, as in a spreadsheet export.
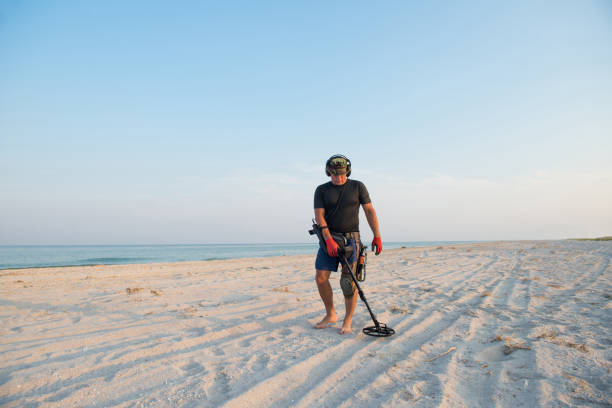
199	122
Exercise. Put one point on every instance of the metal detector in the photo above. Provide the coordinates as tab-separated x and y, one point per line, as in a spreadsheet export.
379	329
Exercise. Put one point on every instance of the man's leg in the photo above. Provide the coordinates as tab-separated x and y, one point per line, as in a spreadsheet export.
350	302
327	295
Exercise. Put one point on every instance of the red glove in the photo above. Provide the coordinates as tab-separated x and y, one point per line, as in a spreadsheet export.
332	247
377	243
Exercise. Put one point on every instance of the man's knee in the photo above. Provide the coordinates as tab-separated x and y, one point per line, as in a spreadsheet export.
322	276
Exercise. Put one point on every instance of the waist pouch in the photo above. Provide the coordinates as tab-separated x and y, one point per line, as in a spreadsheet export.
341	238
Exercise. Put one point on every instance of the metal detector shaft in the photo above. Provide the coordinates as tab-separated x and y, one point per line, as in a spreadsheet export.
361	295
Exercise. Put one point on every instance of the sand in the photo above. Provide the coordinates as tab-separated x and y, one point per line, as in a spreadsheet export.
505	324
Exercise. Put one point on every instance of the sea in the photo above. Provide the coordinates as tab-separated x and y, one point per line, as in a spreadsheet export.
39	256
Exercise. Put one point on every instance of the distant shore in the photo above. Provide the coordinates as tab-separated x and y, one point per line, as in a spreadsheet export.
593	239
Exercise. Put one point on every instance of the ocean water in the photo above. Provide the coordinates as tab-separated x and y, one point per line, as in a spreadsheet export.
37	256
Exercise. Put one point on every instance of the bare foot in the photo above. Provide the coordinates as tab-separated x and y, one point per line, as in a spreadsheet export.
346	329
326	320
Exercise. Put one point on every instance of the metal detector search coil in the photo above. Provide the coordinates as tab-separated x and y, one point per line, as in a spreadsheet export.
382	330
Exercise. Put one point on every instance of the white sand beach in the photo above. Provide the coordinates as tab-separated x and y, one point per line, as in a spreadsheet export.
504	324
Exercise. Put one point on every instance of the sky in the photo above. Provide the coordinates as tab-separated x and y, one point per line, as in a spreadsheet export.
150	122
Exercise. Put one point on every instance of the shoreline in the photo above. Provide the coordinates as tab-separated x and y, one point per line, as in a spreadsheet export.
393	245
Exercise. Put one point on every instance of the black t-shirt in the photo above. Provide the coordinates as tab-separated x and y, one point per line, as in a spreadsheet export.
346	218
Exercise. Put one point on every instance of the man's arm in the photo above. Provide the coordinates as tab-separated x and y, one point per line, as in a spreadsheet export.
332	246
370	214
320	220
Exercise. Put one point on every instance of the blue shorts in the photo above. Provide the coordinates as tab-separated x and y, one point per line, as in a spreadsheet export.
328	263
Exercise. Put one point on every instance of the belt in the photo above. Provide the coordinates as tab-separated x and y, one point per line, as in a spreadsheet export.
351	235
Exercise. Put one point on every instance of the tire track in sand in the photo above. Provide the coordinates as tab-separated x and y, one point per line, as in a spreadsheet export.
342	359
406	352
476	367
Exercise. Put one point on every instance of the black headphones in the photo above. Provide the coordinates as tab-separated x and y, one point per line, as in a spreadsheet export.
338	156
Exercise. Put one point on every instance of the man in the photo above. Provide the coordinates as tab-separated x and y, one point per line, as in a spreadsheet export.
336	207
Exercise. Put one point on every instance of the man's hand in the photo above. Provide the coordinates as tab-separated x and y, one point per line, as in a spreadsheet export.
332	247
377	243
